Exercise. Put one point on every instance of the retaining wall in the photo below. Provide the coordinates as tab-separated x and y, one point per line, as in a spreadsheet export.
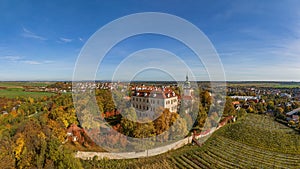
147	153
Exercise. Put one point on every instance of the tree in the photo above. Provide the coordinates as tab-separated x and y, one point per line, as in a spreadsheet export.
130	114
164	121
127	127
261	108
291	123
201	118
229	108
178	129
88	120
61	158
144	130
241	113
206	100
189	121
270	105
278	111
18	149
7	151
214	119
105	97
40	158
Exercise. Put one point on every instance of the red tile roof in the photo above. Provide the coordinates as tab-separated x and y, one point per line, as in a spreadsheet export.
154	92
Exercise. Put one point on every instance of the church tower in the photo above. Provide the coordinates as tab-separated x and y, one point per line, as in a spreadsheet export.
187	89
187	98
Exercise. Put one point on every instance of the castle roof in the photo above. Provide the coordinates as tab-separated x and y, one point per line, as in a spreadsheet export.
162	93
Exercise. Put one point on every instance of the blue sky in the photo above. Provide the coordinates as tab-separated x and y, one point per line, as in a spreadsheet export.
41	40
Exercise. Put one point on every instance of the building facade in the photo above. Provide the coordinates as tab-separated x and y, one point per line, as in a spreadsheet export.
147	100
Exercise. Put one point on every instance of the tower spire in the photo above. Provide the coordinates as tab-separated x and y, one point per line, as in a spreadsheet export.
186	77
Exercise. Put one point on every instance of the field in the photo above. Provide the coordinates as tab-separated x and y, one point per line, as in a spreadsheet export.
15	89
256	142
21	84
265	84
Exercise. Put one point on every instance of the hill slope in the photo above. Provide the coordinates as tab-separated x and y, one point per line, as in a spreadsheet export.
255	142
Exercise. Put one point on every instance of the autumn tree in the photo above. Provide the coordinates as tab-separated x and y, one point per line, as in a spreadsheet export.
270	105
105	97
144	130
127	127
178	129
206	100
229	108
164	121
201	117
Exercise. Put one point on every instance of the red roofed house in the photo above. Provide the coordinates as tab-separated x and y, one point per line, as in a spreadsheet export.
74	133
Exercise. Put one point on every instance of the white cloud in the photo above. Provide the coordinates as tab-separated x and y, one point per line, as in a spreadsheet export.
34	62
48	61
19	59
65	40
10	58
31	62
28	34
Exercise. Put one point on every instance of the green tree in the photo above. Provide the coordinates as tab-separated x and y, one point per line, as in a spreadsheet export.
241	113
270	105
229	108
206	100
261	108
201	118
129	113
178	129
127	127
144	130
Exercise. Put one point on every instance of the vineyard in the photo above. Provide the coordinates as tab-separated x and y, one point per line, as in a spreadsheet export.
256	142
226	153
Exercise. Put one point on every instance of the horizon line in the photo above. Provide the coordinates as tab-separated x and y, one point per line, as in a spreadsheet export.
293	81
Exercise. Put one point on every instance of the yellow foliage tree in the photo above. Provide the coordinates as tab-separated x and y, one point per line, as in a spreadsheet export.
19	146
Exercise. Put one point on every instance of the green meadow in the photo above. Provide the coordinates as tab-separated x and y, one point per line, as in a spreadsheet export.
16	89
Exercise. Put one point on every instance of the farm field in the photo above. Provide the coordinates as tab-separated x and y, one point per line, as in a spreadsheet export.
265	84
15	89
18	84
18	92
267	145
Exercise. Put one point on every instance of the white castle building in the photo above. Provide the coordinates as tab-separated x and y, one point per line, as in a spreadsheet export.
147	100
